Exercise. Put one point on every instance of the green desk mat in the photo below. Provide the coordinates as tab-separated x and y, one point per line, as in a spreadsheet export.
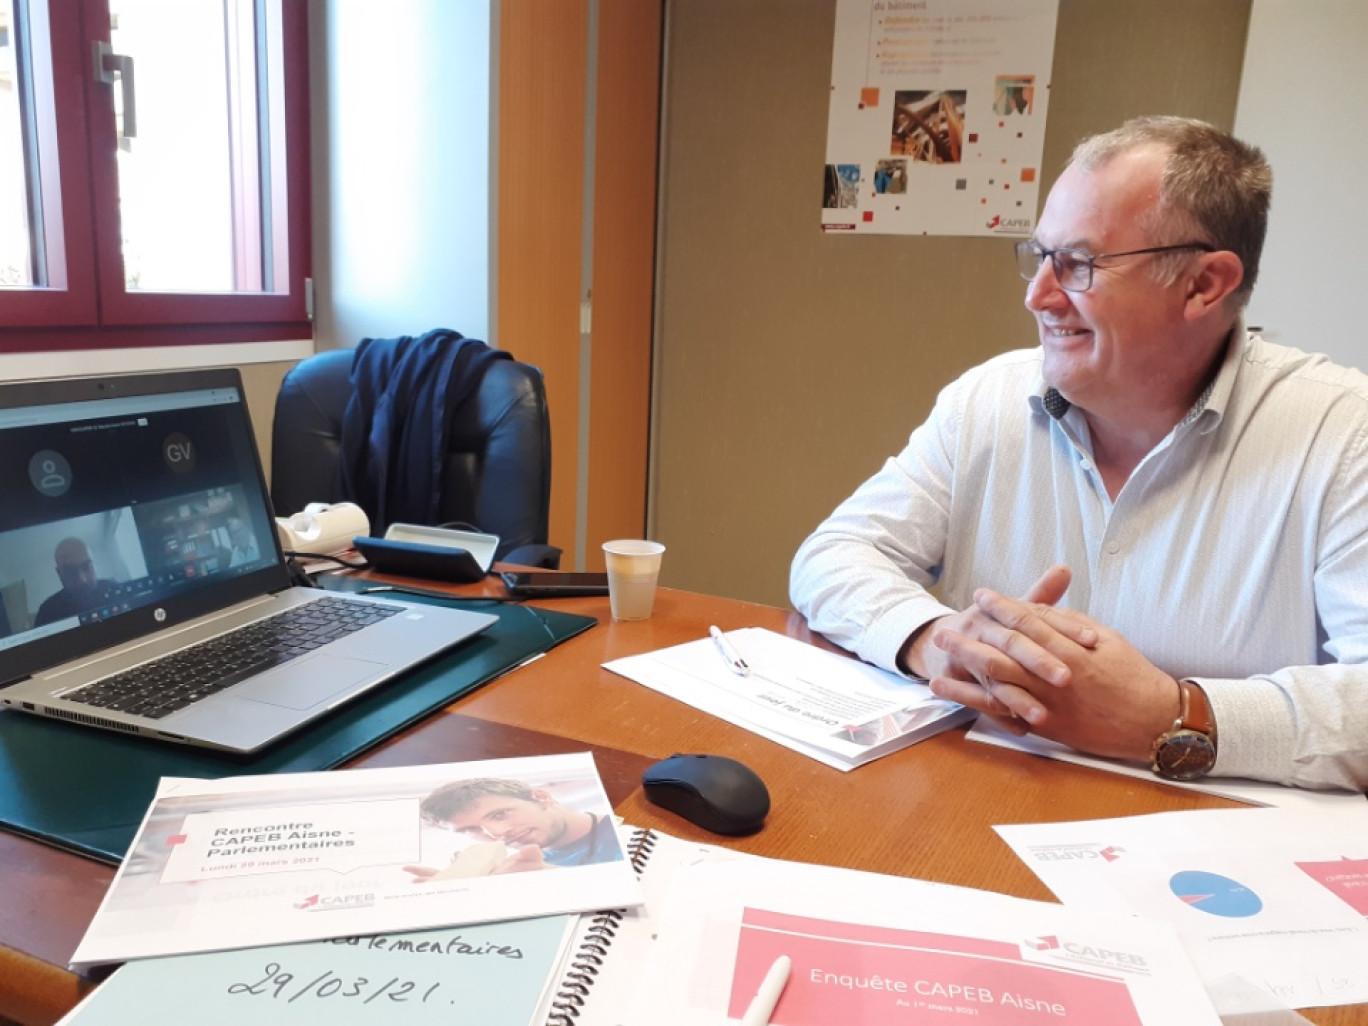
87	790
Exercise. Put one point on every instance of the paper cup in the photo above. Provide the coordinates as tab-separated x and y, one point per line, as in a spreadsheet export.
633	566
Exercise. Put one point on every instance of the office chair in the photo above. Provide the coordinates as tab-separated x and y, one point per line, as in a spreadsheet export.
495	472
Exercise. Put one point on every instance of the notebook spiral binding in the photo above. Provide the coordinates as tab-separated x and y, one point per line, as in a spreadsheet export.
596	939
639	848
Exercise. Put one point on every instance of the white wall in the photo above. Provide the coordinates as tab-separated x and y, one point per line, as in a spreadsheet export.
401	193
1304	102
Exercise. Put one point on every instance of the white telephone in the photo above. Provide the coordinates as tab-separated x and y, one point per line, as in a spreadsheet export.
322	527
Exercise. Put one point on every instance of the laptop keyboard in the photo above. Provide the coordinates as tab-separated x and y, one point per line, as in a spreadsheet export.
166	685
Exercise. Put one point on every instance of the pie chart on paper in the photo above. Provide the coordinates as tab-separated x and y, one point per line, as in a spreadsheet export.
1214	894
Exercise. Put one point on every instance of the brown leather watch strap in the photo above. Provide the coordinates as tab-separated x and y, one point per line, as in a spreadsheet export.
1196	714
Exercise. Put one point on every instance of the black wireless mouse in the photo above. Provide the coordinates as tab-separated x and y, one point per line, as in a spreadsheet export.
711	791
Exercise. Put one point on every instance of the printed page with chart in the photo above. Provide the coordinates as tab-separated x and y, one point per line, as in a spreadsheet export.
1276	897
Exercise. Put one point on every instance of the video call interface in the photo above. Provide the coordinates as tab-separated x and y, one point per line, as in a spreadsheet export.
116	510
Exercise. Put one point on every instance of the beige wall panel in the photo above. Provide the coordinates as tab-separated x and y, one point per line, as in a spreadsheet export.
790	365
542	54
627	119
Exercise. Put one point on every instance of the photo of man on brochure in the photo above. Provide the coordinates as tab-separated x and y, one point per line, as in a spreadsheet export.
517	828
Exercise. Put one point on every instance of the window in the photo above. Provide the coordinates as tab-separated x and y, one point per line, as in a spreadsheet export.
154	184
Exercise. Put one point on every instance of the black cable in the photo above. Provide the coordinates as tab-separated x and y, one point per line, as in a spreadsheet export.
403	589
461	525
328	557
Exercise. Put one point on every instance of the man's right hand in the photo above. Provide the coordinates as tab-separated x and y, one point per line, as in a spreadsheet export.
965	655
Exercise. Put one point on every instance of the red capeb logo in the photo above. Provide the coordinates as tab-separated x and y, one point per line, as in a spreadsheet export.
334	902
1009	225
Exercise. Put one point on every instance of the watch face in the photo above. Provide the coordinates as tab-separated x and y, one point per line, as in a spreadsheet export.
1184	755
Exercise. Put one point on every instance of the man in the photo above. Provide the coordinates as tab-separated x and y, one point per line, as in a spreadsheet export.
542	832
81	589
1149	535
244	551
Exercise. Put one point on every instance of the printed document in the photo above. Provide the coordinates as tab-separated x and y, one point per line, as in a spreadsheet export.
868	950
1276	896
831	707
247	861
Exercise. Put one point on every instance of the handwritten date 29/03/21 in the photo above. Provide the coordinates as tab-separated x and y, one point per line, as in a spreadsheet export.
282	985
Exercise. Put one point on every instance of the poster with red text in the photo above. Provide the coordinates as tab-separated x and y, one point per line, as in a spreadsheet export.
937	116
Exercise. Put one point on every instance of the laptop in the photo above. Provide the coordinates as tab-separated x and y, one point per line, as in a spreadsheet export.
136	535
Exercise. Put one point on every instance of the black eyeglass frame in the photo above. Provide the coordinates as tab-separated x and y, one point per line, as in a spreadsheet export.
1086	259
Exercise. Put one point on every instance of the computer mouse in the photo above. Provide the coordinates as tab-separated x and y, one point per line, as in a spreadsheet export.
711	791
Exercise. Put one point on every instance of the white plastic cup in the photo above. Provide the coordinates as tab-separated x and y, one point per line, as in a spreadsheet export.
633	566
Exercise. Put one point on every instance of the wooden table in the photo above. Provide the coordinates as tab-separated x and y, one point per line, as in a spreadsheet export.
925	812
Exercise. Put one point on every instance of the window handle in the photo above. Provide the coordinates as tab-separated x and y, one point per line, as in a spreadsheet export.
109	64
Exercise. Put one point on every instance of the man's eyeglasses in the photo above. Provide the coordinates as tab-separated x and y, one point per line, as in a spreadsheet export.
1073	268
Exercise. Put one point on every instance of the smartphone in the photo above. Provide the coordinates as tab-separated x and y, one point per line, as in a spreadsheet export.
552	583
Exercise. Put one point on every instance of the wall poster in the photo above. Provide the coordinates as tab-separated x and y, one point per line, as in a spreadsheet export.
937	119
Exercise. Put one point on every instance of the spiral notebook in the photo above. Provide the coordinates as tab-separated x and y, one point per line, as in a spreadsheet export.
610	949
495	974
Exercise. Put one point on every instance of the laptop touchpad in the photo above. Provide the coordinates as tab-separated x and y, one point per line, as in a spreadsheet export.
305	683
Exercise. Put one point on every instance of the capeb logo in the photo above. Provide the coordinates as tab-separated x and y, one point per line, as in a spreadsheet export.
1052	947
335	902
1009	225
1076	852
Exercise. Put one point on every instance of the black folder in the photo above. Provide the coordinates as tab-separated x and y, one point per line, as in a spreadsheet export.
87	790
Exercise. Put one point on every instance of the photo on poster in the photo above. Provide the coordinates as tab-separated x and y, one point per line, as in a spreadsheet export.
928	125
841	185
1014	94
890	177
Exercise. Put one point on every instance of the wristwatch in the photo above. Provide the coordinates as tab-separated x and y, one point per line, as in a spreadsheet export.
1187	750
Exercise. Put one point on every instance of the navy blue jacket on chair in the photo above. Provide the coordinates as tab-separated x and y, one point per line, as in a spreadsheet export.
437	429
405	394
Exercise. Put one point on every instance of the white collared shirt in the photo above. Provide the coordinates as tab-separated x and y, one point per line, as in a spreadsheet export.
1236	554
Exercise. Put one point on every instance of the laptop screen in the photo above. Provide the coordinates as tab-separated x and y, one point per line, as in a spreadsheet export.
127	504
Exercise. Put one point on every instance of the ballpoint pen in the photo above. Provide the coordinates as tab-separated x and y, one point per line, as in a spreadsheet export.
762	1005
733	657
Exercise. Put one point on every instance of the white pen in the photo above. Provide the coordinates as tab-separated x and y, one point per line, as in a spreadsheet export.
762	1005
733	657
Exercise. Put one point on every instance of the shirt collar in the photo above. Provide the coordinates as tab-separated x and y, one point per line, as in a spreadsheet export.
1213	400
1216	399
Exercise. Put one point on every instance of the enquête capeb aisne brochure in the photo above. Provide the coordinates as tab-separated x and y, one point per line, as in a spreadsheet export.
247	861
872	949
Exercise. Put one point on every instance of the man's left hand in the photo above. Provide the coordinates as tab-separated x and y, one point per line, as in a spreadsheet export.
1115	702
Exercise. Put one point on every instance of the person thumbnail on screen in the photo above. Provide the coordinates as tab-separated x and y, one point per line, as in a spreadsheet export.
82	590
